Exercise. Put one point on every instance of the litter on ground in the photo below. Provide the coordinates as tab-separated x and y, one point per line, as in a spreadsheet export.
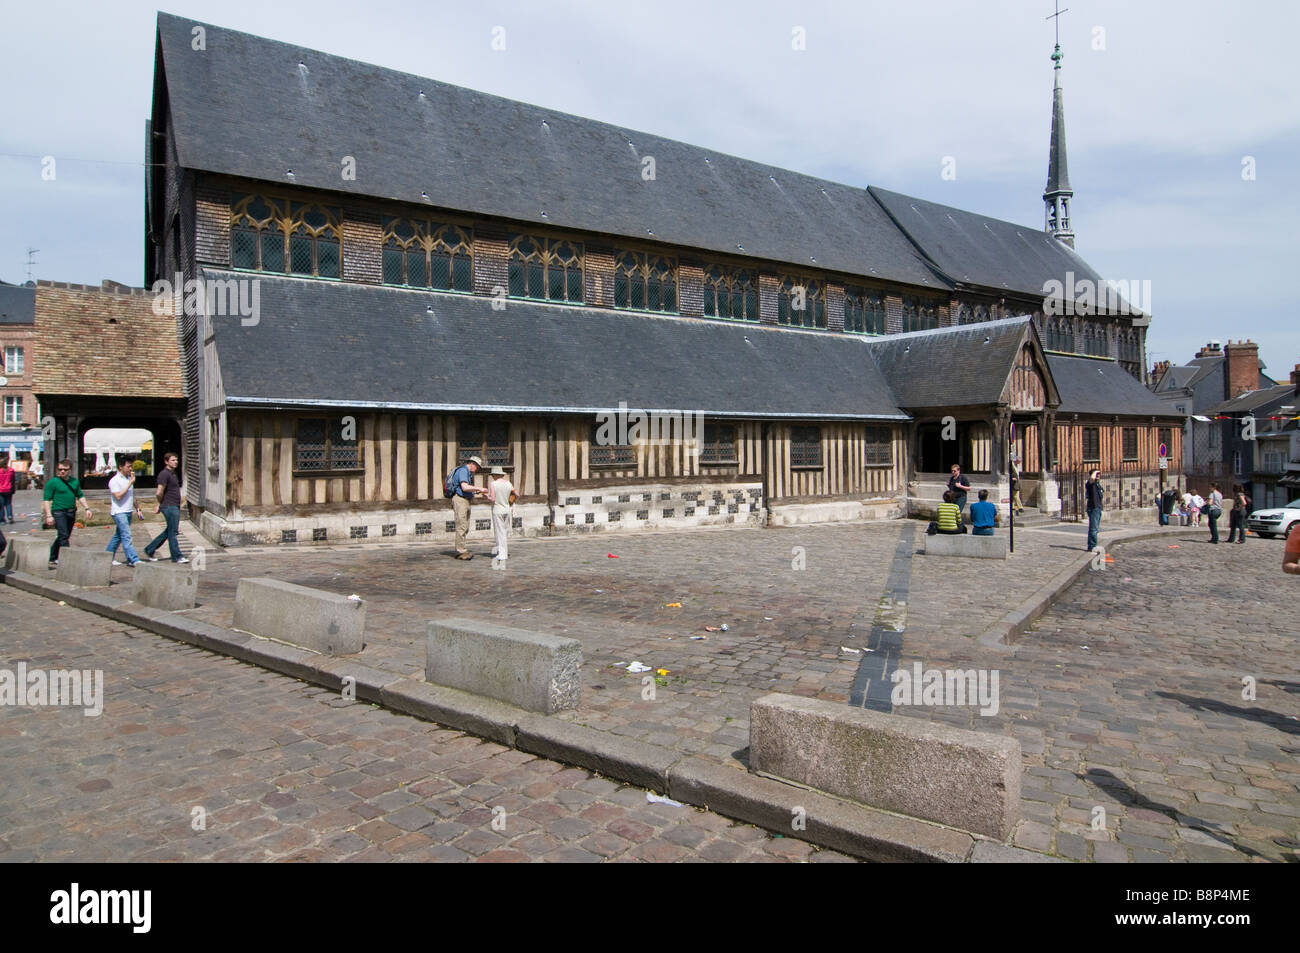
653	798
636	668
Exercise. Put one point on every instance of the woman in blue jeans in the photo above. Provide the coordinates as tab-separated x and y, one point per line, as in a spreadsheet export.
1093	493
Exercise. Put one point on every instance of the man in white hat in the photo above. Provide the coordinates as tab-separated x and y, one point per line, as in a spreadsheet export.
499	492
462	480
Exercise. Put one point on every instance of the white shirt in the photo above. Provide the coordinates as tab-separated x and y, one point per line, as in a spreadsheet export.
127	503
1198	501
501	495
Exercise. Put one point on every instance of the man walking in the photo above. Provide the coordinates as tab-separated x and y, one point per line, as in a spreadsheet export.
169	505
121	507
1093	491
464	490
959	487
60	504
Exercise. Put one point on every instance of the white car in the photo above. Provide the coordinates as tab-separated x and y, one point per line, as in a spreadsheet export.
1275	522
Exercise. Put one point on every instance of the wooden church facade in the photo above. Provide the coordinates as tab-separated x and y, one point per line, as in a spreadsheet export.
400	328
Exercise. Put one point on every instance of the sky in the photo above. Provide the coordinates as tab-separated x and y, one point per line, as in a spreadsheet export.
1181	117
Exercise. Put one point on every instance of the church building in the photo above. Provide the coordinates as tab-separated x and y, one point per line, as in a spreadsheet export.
378	275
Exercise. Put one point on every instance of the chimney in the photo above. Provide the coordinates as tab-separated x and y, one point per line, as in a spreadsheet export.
1210	350
1158	371
1242	368
1295	380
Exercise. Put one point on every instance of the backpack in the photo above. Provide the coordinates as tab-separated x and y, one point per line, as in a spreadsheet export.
448	485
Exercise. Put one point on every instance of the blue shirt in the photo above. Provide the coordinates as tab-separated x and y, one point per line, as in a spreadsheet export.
462	475
983	514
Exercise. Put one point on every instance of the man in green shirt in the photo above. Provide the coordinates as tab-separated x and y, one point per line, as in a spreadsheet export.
60	503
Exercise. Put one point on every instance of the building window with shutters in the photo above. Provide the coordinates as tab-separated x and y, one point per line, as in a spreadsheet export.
269	233
14	361
13	410
487	438
321	446
805	447
546	269
1091	445
730	294
864	311
1130	444
801	303
879	447
423	254
645	282
719	446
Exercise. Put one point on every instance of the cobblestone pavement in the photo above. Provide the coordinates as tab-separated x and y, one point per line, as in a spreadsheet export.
1141	723
287	771
1127	697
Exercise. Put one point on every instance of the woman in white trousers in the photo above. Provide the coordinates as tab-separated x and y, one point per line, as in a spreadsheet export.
499	490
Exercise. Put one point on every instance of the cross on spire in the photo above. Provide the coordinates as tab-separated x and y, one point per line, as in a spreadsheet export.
1056	54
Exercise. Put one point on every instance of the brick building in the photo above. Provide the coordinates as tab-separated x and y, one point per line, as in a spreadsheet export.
20	434
107	358
400	272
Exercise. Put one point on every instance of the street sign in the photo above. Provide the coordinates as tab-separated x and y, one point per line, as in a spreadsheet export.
1164	463
1164	451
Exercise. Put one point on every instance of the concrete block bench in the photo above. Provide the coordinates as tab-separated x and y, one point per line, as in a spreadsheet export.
965	779
29	554
531	670
164	585
967	544
322	621
84	567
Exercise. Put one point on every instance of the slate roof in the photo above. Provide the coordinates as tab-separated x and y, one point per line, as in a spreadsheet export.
1058	170
370	346
93	342
17	304
977	250
1254	399
949	366
256	108
1091	385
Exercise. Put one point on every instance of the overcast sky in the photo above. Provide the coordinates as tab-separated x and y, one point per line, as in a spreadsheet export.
1164	103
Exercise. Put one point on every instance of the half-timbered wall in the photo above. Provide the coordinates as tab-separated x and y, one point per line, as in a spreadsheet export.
1070	447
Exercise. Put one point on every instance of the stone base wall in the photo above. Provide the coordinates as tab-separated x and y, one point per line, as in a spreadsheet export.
837	511
604	509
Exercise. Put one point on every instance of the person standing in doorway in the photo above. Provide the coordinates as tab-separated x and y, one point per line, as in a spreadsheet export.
6	491
499	492
959	486
1213	510
60	503
169	505
1093	492
121	507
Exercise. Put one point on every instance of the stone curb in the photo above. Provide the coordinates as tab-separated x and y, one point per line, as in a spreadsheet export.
855	829
1007	630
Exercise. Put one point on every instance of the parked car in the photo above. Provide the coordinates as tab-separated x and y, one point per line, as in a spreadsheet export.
1278	521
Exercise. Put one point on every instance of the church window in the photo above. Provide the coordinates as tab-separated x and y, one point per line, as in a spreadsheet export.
731	294
964	315
423	254
864	311
800	303
319	446
1091	445
919	315
645	282
485	438
609	455
879	447
548	269
1130	441
268	233
805	446
719	446
981	314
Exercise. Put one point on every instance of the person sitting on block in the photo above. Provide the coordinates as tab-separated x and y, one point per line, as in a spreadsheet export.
983	515
949	521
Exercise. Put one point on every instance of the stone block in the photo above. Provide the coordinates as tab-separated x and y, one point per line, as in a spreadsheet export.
532	670
965	779
164	585
84	567
967	544
29	554
322	621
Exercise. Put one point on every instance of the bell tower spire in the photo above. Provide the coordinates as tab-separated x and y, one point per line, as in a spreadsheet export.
1058	194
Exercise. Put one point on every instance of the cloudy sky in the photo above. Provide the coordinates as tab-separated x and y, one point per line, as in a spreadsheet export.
1183	130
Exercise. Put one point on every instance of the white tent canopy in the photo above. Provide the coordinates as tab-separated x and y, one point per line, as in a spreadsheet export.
106	442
